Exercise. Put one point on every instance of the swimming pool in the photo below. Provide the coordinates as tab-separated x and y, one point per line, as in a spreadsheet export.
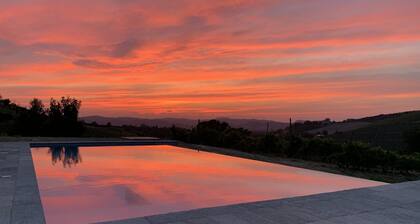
92	184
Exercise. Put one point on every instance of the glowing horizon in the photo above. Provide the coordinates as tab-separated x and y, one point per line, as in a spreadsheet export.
263	59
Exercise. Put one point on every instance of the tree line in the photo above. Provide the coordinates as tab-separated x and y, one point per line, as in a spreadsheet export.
60	118
350	155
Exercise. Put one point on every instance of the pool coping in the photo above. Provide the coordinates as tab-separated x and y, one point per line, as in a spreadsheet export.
401	201
27	206
103	143
20	198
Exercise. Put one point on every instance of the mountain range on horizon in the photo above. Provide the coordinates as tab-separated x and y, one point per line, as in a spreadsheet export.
407	119
256	125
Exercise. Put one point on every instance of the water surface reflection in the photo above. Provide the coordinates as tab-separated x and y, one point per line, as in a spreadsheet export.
122	182
68	155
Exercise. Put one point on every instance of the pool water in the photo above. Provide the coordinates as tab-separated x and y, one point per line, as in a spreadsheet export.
92	184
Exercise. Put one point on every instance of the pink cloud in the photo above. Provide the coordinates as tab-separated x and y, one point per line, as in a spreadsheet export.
213	58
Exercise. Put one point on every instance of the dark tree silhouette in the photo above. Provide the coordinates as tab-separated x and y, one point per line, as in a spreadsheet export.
412	139
55	110
209	132
70	108
63	117
37	107
4	102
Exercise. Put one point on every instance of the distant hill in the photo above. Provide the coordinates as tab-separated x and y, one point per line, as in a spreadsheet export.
256	125
250	124
340	127
385	130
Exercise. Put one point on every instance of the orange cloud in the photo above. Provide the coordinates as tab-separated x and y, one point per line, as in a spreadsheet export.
247	58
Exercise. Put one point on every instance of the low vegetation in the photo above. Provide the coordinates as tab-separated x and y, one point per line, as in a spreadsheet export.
387	131
350	155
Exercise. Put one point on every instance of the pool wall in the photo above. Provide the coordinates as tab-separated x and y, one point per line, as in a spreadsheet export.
103	143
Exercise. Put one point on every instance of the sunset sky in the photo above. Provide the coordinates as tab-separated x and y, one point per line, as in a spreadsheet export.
273	59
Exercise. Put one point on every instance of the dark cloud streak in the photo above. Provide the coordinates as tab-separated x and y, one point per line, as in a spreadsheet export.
95	64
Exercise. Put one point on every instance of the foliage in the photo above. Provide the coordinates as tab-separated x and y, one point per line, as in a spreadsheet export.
63	117
209	132
388	131
304	126
349	155
60	119
412	138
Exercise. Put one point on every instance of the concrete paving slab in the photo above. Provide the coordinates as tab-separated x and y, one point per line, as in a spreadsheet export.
286	215
229	219
5	212
128	221
27	214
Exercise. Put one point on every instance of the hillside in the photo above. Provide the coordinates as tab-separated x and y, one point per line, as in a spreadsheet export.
250	124
385	130
340	127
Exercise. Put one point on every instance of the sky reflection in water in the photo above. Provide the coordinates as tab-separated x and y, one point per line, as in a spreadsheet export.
123	182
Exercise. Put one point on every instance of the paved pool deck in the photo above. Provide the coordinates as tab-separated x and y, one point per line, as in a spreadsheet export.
393	203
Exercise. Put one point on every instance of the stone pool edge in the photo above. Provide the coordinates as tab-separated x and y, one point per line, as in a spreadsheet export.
26	205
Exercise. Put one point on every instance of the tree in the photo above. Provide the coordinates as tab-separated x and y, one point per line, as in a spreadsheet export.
269	144
63	117
235	138
209	132
55	110
4	102
70	108
37	107
35	119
